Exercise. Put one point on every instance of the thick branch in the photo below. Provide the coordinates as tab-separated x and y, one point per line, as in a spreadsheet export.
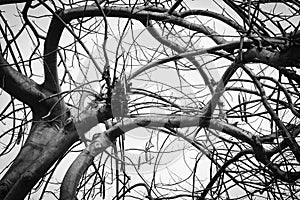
58	24
73	175
103	140
23	177
50	55
18	85
288	58
4	2
80	165
54	149
173	8
31	150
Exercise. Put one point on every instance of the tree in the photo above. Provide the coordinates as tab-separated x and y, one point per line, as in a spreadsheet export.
212	87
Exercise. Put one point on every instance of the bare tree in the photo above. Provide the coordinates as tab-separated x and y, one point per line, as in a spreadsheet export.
149	99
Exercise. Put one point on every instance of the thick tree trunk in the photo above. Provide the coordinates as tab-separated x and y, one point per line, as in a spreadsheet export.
47	141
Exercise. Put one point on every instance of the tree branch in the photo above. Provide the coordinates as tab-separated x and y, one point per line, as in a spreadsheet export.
139	13
294	146
4	2
175	5
18	85
105	139
277	59
179	49
211	14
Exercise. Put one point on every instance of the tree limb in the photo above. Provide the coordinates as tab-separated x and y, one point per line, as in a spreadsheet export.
104	139
18	85
4	2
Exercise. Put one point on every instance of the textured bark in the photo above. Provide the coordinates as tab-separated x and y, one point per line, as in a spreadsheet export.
55	148
18	85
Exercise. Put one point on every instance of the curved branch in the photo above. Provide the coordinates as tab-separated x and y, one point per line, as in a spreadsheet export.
105	139
226	46
179	49
50	55
245	18
222	170
294	146
218	16
59	21
73	175
139	13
